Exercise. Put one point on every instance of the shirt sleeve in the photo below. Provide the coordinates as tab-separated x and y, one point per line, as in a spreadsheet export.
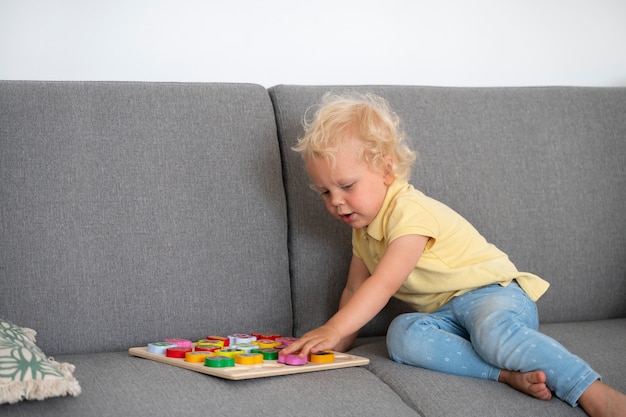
410	217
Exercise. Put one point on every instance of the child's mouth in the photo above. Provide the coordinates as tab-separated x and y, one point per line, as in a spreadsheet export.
348	218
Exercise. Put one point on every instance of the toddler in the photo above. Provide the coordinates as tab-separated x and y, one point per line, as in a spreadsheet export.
475	313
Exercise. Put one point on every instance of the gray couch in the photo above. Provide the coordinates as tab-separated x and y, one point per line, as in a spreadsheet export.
132	212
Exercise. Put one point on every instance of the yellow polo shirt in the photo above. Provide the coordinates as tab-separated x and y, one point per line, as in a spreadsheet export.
457	258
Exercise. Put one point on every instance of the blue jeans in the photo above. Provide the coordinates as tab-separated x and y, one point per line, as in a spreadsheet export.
483	331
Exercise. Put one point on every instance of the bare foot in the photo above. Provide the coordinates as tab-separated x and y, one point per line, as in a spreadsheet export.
532	383
600	400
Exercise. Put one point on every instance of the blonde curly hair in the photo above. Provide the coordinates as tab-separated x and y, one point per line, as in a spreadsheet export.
368	117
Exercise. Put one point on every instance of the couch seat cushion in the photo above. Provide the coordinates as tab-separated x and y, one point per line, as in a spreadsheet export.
117	384
434	394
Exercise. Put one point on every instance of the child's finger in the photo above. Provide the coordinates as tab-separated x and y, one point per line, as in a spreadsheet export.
293	347
313	345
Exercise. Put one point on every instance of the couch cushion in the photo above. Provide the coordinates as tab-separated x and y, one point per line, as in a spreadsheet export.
539	171
432	394
132	212
116	384
436	394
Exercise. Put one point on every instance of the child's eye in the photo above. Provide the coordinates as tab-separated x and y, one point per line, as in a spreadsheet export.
319	191
322	192
347	186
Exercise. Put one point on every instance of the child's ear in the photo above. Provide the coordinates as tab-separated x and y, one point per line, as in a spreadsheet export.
388	171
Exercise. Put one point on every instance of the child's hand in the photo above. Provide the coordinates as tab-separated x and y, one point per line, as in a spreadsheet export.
322	338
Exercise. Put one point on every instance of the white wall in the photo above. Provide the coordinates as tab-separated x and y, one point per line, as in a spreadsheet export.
436	42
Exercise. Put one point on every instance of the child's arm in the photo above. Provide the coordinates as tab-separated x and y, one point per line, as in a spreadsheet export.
357	274
368	299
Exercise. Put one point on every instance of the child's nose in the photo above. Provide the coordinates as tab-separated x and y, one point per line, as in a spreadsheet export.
337	199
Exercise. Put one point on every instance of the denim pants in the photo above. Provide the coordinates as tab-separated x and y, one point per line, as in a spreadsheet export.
483	331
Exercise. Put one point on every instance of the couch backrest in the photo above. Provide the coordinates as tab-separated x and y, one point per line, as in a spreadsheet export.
132	212
539	171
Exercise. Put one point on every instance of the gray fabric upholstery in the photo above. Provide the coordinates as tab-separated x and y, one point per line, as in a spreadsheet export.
115	384
539	171
132	212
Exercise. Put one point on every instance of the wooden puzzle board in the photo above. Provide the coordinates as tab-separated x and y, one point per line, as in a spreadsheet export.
266	369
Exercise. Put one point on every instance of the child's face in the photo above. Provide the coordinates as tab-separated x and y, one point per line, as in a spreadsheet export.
352	190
